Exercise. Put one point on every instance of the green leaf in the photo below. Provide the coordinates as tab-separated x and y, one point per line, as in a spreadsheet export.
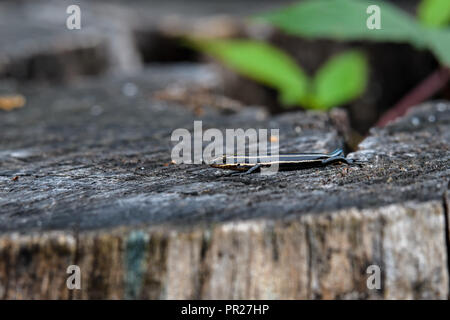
439	42
342	79
260	62
345	20
434	13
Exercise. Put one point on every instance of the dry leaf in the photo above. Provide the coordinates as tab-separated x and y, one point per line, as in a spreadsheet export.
10	102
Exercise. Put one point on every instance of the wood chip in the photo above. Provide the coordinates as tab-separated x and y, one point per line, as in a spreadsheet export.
10	102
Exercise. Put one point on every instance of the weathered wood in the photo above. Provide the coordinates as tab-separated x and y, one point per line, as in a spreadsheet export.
79	140
94	189
85	179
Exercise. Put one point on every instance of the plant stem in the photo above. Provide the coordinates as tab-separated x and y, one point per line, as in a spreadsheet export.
427	88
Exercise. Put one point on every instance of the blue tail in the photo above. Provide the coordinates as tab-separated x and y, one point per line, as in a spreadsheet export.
337	153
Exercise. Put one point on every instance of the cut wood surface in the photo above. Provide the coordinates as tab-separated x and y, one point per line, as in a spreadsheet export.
86	176
85	179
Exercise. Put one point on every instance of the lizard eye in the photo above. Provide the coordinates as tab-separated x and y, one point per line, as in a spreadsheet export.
218	160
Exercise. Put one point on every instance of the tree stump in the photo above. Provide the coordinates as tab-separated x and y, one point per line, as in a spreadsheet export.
86	180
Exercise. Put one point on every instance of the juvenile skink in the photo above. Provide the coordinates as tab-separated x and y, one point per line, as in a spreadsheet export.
251	164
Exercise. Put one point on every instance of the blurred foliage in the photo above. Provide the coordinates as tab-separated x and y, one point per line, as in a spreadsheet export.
345	76
440	44
260	62
341	79
343	20
435	16
434	13
346	20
